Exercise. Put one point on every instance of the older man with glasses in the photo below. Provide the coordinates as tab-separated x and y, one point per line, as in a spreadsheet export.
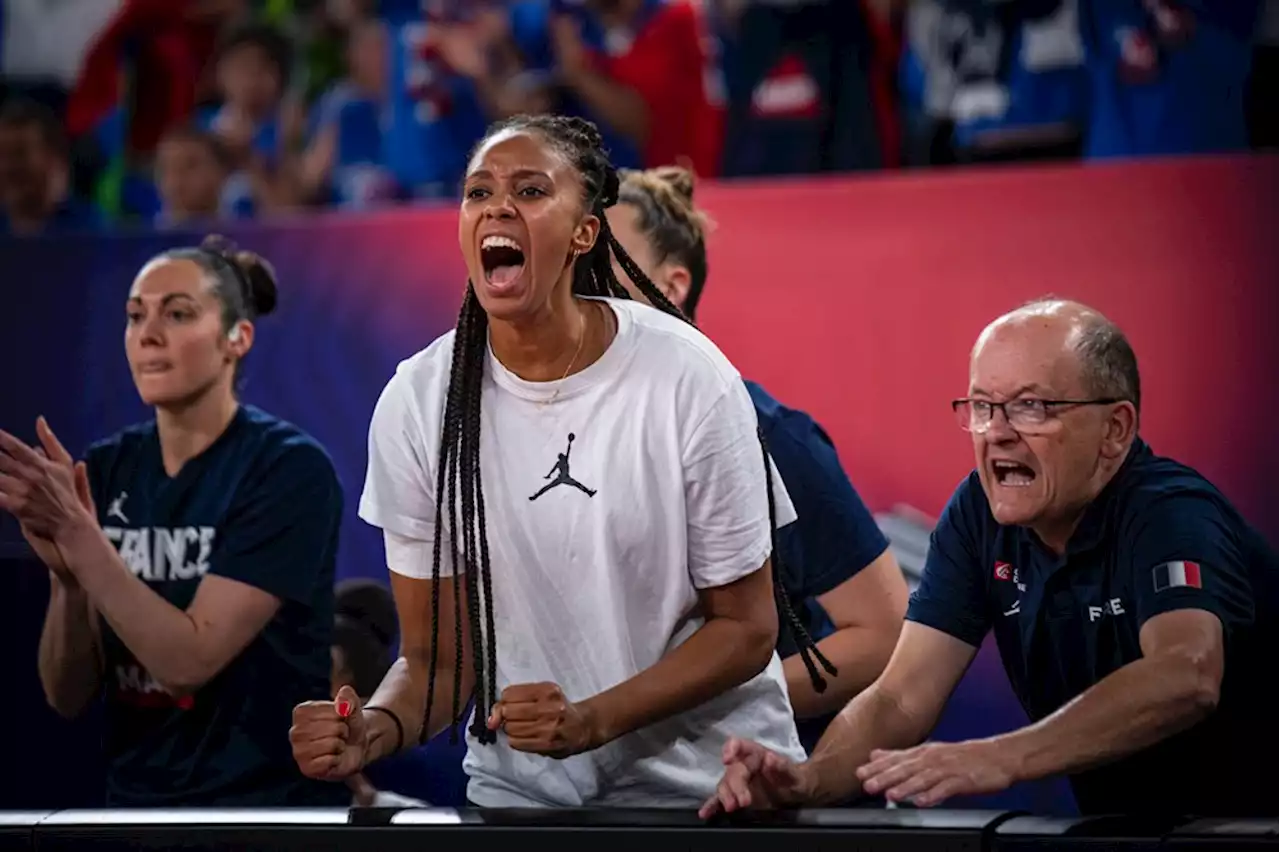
1134	609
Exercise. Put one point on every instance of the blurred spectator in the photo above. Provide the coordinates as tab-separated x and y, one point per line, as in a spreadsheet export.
433	114
344	162
252	67
35	174
148	58
884	27
800	78
483	48
646	71
322	34
993	81
191	168
1167	76
43	45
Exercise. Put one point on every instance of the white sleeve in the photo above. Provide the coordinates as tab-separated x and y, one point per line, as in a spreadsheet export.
399	487
725	499
784	510
411	557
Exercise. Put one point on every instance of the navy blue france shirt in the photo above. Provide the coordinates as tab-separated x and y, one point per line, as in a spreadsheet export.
1158	538
833	537
260	506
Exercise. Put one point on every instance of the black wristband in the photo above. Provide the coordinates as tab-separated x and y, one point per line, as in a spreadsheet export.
394	718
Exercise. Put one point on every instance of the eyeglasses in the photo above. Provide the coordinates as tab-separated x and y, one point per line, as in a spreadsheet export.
1028	416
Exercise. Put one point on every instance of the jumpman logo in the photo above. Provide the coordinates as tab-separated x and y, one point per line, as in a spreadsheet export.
116	509
561	472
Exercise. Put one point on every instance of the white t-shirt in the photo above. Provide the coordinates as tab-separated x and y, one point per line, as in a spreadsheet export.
611	497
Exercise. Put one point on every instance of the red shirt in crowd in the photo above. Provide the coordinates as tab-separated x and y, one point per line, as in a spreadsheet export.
166	46
672	64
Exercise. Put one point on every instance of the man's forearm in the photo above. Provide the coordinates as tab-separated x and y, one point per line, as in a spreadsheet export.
403	691
69	665
873	720
722	654
161	636
1134	707
859	655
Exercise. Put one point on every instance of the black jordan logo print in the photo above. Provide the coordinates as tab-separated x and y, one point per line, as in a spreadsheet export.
561	473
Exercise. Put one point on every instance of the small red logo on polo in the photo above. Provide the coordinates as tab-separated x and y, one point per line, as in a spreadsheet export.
1004	571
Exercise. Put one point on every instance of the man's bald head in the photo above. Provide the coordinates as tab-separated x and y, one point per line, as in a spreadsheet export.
1108	366
1061	385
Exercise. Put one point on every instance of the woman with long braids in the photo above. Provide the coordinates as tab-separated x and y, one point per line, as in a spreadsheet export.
578	516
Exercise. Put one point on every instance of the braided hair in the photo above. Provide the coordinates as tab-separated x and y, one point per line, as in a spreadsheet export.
458	477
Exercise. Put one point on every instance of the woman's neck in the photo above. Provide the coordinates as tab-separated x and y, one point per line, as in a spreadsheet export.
567	336
186	431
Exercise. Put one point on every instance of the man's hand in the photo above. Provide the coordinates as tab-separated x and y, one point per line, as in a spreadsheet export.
929	774
538	719
755	777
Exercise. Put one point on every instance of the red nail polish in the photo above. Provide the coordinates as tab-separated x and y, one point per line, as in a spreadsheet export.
344	709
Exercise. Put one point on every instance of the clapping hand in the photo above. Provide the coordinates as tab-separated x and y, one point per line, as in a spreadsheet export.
44	489
46	549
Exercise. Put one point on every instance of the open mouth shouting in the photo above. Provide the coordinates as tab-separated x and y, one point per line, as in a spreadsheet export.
503	260
1011	474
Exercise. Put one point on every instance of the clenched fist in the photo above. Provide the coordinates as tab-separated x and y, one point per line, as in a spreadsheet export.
537	718
330	738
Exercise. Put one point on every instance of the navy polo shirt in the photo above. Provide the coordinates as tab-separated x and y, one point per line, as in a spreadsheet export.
260	506
834	536
1158	538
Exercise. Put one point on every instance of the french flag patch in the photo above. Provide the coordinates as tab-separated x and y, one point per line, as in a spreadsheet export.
1172	575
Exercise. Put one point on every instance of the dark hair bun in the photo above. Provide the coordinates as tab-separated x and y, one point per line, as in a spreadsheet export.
261	278
680	180
258	275
369	604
